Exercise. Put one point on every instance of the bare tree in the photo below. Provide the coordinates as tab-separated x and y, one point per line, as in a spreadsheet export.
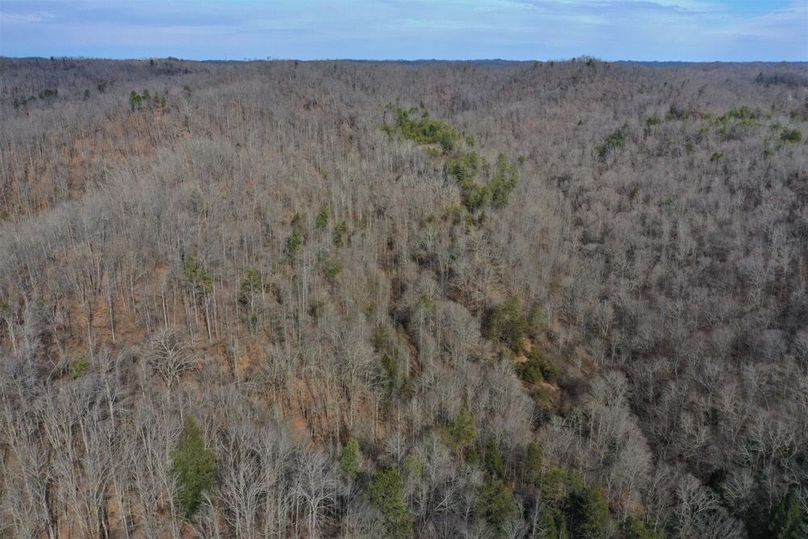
170	357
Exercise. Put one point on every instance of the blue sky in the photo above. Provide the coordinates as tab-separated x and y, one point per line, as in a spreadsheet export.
687	30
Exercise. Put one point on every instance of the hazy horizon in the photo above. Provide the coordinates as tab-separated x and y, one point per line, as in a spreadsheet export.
400	60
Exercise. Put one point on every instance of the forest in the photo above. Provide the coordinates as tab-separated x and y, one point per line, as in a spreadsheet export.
385	299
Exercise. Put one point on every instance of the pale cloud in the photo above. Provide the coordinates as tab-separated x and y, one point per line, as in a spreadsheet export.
452	29
778	24
32	17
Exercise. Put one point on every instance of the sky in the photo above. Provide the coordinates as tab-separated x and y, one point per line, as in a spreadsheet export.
642	30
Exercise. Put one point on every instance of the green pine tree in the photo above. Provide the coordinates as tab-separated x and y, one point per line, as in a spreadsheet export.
496	504
494	464
790	519
463	430
297	238
533	464
387	493
350	461
322	217
194	467
589	513
635	528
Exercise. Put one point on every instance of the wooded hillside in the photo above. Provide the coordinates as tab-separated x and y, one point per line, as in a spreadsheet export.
336	299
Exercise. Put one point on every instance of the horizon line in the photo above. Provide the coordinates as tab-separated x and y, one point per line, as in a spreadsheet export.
582	57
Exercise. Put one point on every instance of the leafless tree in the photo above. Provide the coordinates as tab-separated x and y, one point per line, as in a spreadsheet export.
170	357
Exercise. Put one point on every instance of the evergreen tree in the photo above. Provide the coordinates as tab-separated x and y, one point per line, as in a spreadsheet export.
635	528
387	493
350	461
589	513
463	431
506	323
296	238
553	523
322	217
533	464
496	504
194	468
503	182
790	519
339	234
134	100
494	464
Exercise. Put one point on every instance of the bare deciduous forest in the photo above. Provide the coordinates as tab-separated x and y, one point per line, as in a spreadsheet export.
353	299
